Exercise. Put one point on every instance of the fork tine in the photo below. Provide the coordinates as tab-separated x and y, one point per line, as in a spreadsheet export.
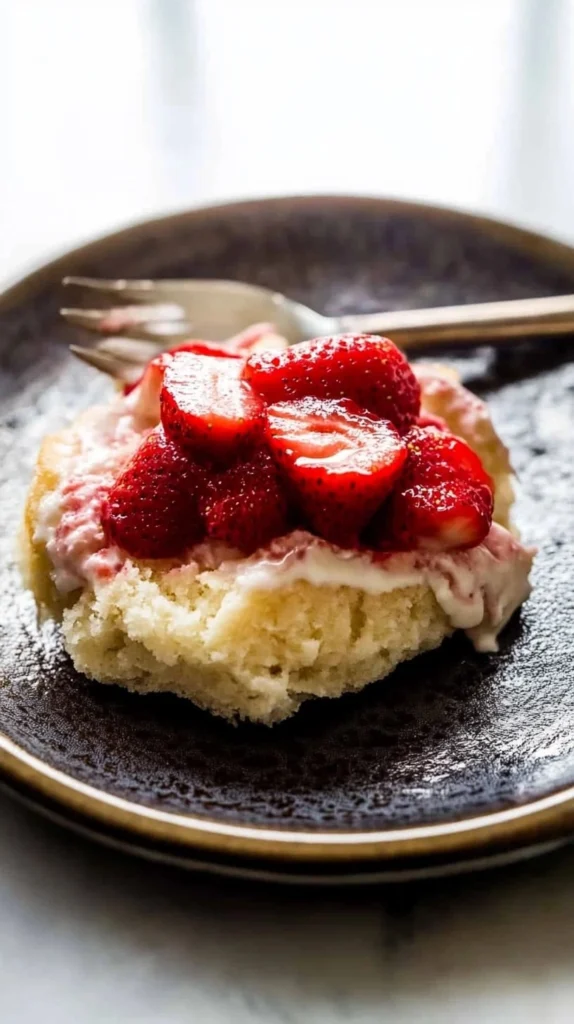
105	362
96	284
142	323
115	319
131	350
132	291
88	318
161	336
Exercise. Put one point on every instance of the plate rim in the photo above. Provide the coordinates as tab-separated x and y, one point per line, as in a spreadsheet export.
545	818
534	242
548	818
308	874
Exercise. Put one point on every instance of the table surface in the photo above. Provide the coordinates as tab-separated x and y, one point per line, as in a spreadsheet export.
115	110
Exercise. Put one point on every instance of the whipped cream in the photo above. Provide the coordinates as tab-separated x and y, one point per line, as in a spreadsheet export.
478	589
68	520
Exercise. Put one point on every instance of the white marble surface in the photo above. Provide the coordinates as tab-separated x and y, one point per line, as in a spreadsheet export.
112	110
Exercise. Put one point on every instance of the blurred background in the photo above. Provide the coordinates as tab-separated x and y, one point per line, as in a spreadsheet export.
115	110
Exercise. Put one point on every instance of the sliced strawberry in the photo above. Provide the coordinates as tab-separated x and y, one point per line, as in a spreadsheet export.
152	509
442	456
340	461
443	500
448	516
199	348
369	370
245	505
207	408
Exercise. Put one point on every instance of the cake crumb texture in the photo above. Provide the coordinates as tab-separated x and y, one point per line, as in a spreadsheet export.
245	653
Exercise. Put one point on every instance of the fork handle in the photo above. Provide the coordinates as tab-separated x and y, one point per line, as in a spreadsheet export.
496	323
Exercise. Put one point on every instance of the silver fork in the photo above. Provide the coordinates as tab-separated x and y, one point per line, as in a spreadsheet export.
149	316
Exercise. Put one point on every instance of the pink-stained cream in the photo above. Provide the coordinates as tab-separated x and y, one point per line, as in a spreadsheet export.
478	589
69	516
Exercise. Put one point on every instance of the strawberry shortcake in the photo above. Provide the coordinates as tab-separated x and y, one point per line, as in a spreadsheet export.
250	526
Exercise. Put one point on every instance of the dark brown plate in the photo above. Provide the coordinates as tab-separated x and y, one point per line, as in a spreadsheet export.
458	756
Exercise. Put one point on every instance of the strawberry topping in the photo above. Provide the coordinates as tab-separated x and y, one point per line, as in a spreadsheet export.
199	348
369	370
327	434
245	505
152	509
341	461
207	408
444	498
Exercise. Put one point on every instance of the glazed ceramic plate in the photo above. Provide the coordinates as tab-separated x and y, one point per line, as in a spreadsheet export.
455	759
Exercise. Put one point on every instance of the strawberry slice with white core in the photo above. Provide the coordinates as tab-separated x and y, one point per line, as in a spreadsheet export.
340	461
152	377
207	408
443	500
370	370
